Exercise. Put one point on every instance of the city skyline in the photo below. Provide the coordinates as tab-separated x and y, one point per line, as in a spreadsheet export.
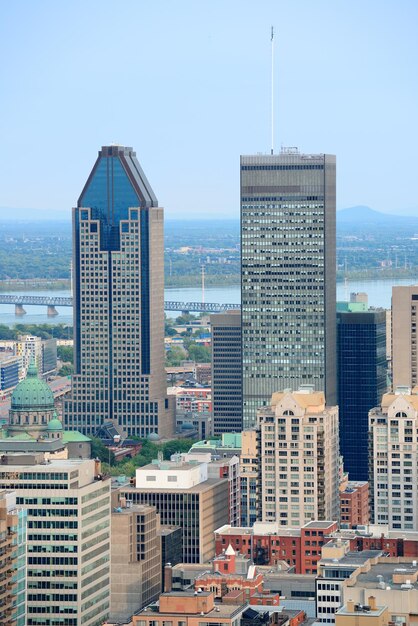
207	72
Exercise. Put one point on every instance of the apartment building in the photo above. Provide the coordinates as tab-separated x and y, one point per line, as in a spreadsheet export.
298	452
393	459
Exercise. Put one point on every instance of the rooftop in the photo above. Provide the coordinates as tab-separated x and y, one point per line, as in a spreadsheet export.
352	559
200	488
399	573
317	524
370	612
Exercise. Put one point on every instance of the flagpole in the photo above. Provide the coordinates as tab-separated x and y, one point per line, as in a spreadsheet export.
272	90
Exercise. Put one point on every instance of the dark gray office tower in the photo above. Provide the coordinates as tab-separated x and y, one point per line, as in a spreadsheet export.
362	380
118	262
288	274
226	372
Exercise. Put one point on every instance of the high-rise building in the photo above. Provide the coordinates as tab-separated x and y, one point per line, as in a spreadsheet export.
12	561
288	273
136	560
404	336
226	372
362	379
118	302
394	460
298	456
68	537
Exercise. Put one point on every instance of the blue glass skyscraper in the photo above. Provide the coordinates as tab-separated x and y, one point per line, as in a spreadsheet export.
118	277
361	382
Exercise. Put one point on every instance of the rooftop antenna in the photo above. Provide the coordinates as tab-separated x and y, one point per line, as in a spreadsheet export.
272	90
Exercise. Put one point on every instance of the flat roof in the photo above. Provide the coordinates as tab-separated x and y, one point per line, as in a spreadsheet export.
385	571
372	612
352	558
200	488
317	524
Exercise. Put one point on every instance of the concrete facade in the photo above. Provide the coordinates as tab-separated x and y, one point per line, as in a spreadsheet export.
393	460
68	537
135	560
288	275
404	336
298	459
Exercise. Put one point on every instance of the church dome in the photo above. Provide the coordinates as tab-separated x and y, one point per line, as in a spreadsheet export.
54	424
32	394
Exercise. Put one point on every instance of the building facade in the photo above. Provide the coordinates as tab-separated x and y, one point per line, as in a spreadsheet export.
393	460
362	379
404	336
299	459
135	560
354	504
288	276
185	496
269	543
226	372
12	561
118	263
68	538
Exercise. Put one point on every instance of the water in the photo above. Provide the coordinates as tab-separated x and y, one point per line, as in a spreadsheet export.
379	292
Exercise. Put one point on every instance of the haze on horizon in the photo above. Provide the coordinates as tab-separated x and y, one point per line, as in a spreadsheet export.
187	84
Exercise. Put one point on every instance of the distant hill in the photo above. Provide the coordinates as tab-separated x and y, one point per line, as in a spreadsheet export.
365	215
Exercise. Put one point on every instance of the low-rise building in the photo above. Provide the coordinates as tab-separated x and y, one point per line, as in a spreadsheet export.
354	503
337	564
269	543
184	495
370	614
393	582
190	609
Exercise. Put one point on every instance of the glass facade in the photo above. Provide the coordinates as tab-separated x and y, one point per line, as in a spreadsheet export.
118	301
287	276
362	380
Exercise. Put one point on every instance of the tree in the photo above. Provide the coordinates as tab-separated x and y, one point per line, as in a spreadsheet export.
66	370
175	356
199	354
65	353
99	451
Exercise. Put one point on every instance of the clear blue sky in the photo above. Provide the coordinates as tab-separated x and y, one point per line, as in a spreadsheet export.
187	84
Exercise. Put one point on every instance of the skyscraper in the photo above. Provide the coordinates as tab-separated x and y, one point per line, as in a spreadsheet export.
118	301
288	273
226	372
404	336
362	379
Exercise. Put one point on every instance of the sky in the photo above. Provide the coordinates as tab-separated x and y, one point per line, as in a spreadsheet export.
187	84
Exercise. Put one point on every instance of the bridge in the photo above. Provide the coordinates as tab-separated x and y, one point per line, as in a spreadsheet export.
52	302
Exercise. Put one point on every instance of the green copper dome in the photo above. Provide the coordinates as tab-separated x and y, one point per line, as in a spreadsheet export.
54	424
32	394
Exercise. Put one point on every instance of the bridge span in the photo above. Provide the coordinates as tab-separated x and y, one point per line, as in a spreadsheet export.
52	302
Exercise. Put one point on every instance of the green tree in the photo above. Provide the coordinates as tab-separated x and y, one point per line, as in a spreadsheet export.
66	370
65	353
99	451
175	356
177	445
199	354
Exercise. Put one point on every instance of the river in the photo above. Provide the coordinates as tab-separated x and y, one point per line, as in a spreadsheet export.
379	292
